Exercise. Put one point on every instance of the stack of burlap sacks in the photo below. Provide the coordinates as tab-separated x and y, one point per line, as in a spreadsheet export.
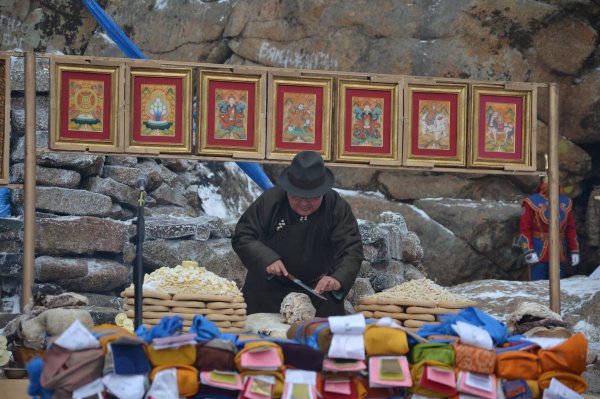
187	291
413	304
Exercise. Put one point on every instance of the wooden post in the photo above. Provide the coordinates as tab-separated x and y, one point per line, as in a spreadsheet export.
553	194
29	188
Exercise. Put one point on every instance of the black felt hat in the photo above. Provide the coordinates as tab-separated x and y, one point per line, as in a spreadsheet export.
307	176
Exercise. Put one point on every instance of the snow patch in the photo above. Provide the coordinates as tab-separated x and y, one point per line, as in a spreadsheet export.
161	4
425	216
212	202
352	193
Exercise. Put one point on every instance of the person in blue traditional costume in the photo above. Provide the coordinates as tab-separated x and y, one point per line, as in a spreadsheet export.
534	233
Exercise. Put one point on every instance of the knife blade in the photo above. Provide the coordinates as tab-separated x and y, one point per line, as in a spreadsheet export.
298	282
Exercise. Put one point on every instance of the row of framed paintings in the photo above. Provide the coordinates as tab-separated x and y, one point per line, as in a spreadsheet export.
142	107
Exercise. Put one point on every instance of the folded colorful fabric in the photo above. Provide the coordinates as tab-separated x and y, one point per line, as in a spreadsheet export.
66	370
257	346
187	378
417	371
513	365
573	381
472	358
107	333
357	389
516	389
314	333
434	352
302	357
381	340
182	355
279	379
569	356
535	388
215	354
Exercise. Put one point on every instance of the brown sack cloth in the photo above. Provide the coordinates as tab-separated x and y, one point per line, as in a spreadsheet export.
66	370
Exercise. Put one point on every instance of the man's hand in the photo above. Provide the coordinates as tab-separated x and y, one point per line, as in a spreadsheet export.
327	283
531	258
574	259
277	268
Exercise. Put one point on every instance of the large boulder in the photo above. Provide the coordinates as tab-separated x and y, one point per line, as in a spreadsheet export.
56	177
84	235
489	227
66	201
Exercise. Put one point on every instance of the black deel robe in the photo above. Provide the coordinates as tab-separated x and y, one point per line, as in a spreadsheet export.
327	243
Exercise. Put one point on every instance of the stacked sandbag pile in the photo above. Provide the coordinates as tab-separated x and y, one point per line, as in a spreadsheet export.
188	290
413	304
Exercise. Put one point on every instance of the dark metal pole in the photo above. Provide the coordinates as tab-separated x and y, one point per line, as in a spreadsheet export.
138	270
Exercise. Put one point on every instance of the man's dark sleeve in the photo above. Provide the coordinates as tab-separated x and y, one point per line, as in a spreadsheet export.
347	245
249	237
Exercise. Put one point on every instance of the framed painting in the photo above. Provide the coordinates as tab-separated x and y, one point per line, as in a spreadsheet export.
232	110
84	105
502	129
435	124
367	127
159	114
299	111
4	118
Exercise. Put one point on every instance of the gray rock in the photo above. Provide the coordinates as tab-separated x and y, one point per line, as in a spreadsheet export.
17	153
42	107
11	264
42	74
85	164
465	264
49	269
11	228
118	192
172	211
115	160
125	175
153	172
95	300
67	201
361	288
366	270
592	217
65	299
103	315
117	212
103	275
169	228
487	226
86	235
47	176
167	175
165	195
179	165
383	281
10	246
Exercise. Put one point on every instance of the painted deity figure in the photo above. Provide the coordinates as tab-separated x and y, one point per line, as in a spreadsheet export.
232	114
367	123
299	122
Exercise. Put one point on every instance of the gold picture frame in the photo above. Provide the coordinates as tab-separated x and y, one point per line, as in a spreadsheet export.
5	64
86	97
232	109
300	116
435	124
159	109
503	127
367	122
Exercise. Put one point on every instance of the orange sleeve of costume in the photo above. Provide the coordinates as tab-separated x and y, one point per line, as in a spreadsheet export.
526	228
571	234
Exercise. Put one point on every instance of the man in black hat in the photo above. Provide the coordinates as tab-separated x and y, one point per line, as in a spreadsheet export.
304	228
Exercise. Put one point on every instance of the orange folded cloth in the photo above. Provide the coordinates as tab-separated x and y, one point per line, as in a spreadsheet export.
514	365
187	378
573	381
570	356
